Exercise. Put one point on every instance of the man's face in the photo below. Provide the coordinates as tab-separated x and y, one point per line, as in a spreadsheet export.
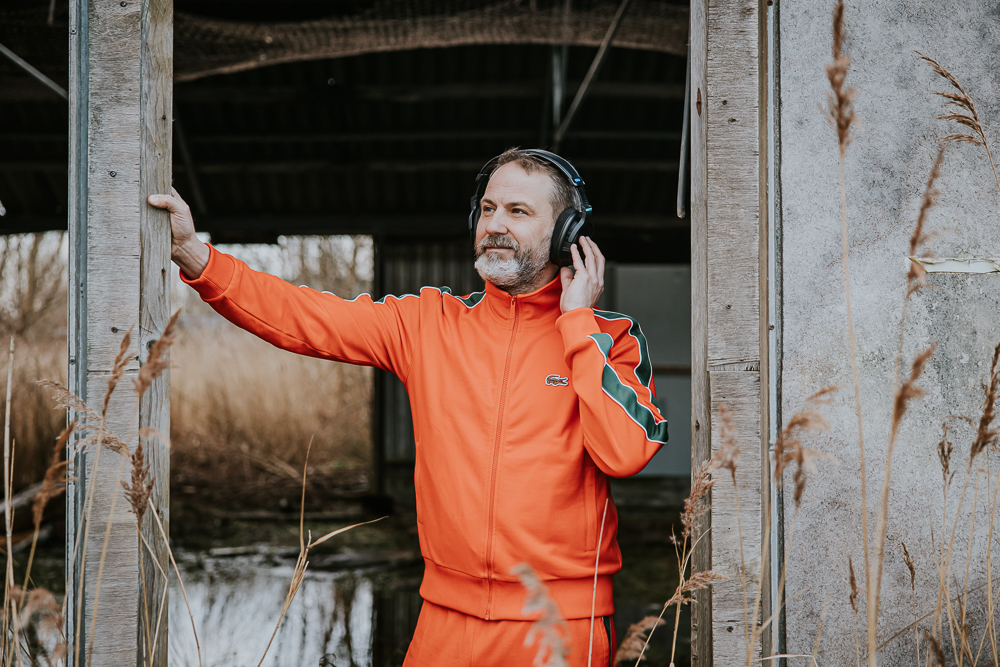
515	228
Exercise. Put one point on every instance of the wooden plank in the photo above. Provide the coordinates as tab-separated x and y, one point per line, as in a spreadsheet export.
739	391
156	105
733	187
701	399
763	322
736	285
112	307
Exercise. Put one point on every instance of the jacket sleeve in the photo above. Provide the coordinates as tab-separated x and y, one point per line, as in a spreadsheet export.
613	378
309	322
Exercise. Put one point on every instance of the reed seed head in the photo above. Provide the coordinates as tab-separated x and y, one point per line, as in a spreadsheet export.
968	117
550	628
854	585
788	448
936	650
840	101
915	278
910	566
631	648
909	390
986	436
945	449
696	504
55	476
157	361
117	369
728	454
141	489
87	420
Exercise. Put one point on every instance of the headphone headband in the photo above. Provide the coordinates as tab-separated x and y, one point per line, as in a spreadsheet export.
557	161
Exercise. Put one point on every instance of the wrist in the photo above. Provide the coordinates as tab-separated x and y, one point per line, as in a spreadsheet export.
192	257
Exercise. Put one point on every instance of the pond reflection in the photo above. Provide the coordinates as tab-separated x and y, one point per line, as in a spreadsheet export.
357	618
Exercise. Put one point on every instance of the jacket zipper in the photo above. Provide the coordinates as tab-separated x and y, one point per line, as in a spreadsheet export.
496	459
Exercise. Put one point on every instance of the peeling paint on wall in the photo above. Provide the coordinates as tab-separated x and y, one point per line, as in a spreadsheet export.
953	265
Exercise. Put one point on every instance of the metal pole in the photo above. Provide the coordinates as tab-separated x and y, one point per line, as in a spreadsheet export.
76	487
26	66
595	68
682	176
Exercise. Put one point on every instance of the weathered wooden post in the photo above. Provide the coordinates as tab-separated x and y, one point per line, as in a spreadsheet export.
121	79
730	327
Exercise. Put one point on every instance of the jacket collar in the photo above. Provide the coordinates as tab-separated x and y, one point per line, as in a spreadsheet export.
536	307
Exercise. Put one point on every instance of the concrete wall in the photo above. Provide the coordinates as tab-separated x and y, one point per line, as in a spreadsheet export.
887	166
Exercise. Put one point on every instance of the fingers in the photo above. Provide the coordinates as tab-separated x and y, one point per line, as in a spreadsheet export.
566	277
595	260
578	263
172	202
600	258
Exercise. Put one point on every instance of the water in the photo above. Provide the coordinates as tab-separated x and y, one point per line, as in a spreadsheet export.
357	615
355	618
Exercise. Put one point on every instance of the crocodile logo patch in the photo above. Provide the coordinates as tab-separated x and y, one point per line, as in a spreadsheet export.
556	381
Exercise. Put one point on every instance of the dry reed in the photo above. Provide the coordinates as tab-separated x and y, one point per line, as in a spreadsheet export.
298	575
633	645
906	392
970	117
853	598
550	629
8	509
593	599
54	481
840	109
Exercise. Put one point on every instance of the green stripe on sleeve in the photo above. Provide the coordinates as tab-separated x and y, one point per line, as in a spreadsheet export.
625	396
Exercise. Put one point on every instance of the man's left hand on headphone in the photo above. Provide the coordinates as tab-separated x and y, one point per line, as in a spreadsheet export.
583	284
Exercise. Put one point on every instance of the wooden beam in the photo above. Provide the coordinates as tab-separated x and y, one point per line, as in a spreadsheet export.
396	225
397	166
736	247
155	146
121	78
24	90
412	94
701	398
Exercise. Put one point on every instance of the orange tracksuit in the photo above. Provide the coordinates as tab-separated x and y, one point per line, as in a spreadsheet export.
520	415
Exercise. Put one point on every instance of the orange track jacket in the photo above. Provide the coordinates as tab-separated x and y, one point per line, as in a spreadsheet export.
520	414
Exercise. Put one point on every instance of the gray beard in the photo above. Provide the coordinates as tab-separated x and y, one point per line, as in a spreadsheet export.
515	274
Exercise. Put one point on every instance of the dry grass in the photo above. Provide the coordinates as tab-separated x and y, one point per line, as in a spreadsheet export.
241	409
36	421
840	111
242	412
967	116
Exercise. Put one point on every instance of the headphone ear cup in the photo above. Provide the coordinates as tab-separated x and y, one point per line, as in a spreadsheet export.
563	237
474	219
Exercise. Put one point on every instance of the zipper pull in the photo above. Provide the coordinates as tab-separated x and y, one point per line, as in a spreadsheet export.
513	301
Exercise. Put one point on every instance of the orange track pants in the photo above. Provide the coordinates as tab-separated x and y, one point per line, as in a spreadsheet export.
448	638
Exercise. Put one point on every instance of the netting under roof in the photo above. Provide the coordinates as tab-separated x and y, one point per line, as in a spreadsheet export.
214	46
205	46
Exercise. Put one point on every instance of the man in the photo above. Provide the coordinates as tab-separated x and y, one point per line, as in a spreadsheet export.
524	399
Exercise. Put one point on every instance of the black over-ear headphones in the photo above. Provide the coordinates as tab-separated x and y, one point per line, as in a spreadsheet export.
571	223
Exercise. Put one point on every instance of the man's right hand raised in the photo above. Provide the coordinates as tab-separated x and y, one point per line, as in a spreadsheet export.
187	252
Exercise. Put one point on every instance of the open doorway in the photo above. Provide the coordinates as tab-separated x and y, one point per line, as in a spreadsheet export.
381	147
